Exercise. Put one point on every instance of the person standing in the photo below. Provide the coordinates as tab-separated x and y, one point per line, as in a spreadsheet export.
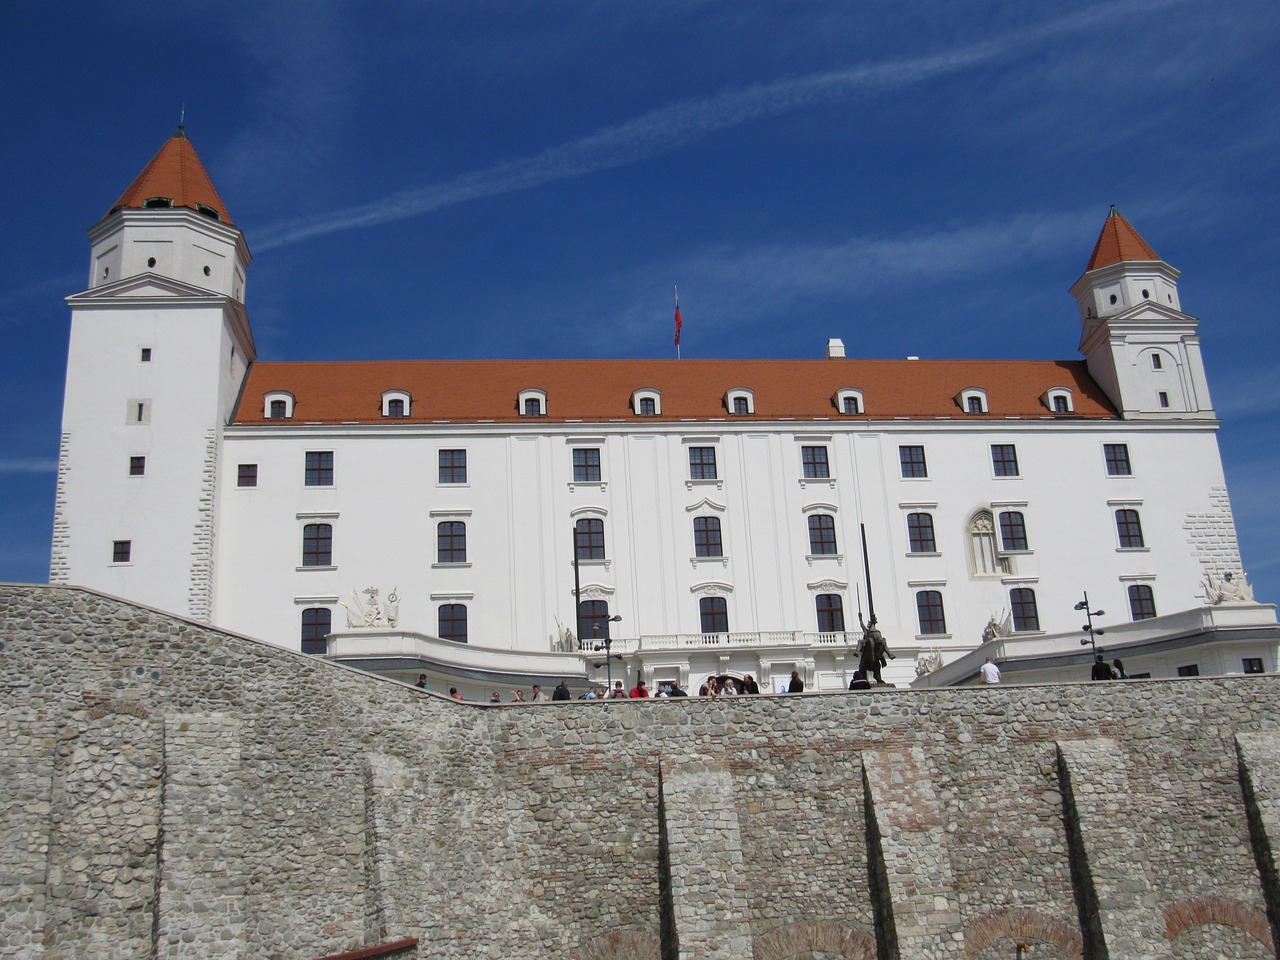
1117	670
538	695
617	693
796	685
1100	669
749	684
561	692
422	682
989	672
639	691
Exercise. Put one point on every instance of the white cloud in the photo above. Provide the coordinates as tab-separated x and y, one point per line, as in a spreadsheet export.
28	465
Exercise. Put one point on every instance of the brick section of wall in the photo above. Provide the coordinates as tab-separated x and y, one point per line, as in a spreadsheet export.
60	563
835	824
200	593
1213	535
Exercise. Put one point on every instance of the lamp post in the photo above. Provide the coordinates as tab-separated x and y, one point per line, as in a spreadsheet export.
1093	632
607	646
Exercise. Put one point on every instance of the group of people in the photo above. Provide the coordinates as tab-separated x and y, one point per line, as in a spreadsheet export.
1101	671
721	686
728	687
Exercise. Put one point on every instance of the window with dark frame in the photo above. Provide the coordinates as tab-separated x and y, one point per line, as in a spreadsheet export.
1129	529
741	406
713	614
974	404
1013	531
279	410
1004	459
1026	615
533	407
822	534
830	609
1189	670
588	541
453	466
451	542
137	466
453	622
1061	404
1252	665
121	551
317	545
319	471
648	407
851	406
146	355
929	610
920	533
814	461
1117	457
1142	602
1163	397
592	617
586	464
247	475
913	464
702	463
395	408
1157	363
706	537
317	622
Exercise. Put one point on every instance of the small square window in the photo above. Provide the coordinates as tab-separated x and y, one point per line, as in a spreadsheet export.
121	551
137	466
702	463
453	466
395	408
1117	457
1004	459
1189	670
319	472
146	355
741	407
814	462
648	407
974	405
586	465
279	410
913	463
247	475
1251	665
533	407
851	406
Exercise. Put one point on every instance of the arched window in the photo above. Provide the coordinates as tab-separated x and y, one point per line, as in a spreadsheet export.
279	409
453	622
1013	530
851	406
822	534
451	542
1129	529
593	618
830	609
920	533
395	408
648	407
1026	616
973	404
929	608
1142	602
741	406
706	537
1061	404
317	545
983	554
316	624
714	614
588	539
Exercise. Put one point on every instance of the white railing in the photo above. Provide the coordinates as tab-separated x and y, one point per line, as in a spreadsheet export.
765	638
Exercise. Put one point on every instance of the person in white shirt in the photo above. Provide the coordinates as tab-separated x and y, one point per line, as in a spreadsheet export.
989	672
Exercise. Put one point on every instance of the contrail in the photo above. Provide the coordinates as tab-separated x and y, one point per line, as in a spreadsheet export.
670	127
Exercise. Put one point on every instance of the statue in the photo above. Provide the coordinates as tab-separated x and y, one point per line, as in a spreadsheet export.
928	662
997	629
873	650
371	613
1227	589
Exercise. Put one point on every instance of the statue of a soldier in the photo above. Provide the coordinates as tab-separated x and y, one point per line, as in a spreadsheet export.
873	650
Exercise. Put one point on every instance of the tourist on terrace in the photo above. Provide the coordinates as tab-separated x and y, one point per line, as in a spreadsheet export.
617	693
1100	669
453	692
538	695
561	692
796	685
989	672
639	691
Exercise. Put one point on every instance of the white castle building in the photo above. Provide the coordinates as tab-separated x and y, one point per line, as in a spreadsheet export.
425	516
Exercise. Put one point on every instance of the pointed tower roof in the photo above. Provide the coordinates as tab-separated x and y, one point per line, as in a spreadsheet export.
1117	242
175	173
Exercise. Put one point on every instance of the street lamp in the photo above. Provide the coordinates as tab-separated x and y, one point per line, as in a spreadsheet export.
607	647
1093	632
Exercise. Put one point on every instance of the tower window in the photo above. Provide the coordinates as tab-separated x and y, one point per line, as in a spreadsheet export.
316	624
145	356
1129	530
121	551
453	466
1022	603
451	542
1117	456
1157	362
1164	399
920	533
317	545
1142	602
932	617
822	535
588	539
1013	530
157	203
319	468
137	466
151	261
453	622
247	475
209	212
706	537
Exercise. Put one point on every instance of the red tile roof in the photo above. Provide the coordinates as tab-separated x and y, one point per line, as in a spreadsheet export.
600	390
177	173
1118	242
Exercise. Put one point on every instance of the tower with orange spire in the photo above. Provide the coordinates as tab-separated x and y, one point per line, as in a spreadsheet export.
1140	347
160	344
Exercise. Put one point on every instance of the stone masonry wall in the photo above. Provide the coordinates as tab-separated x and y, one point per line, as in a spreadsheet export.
167	790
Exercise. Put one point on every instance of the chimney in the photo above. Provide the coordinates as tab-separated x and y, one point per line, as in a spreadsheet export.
835	349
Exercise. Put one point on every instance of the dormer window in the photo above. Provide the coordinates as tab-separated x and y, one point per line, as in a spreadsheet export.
157	203
740	401
646	403
395	404
209	212
278	406
848	401
532	403
1058	400
973	400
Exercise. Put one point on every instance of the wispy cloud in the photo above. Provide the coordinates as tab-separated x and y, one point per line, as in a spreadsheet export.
28	465
663	130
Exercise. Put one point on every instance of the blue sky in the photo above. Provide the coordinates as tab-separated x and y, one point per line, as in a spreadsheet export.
529	179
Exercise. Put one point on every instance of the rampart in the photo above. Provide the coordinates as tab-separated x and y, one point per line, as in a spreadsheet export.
168	790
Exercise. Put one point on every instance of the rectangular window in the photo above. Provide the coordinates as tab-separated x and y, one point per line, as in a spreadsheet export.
713	612
1129	529
912	459
648	407
851	406
814	461
929	609
317	545
588	540
247	475
920	533
451	542
453	466
1142	602
1164	402
316	624
1026	615
1251	665
320	468
586	465
1013	531
1117	455
702	463
453	622
279	410
1156	362
146	355
137	466
1004	459
822	534
830	609
706	537
121	551
1190	670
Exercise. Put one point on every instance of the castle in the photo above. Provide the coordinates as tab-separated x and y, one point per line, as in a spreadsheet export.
510	522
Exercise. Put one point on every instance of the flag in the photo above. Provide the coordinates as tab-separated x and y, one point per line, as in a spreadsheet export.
679	324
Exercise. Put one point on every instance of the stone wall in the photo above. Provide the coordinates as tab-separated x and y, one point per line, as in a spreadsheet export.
169	790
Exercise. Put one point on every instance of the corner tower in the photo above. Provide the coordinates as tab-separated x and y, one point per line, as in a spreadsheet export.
160	344
1140	347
